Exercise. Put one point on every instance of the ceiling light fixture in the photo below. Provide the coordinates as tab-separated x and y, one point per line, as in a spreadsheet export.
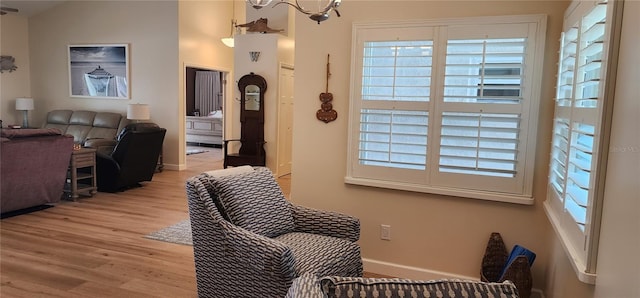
229	41
319	16
257	4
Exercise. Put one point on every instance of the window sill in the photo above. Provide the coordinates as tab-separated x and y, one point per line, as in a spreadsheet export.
464	193
578	265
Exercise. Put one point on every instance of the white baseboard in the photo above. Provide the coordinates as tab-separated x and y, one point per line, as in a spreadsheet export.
397	270
403	271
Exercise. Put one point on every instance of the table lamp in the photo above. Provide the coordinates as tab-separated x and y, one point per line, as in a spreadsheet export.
24	104
138	111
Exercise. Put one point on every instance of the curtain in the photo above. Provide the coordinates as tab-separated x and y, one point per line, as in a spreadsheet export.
208	92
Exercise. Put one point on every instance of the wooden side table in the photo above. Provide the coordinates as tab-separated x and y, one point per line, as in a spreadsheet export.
81	176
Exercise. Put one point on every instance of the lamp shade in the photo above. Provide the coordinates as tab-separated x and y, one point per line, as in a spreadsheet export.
24	104
138	111
228	41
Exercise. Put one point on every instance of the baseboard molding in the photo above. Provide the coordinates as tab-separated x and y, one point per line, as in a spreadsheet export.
174	167
410	272
392	269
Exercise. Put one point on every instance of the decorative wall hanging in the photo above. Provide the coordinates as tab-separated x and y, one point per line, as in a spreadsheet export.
4	10
254	56
99	71
326	112
7	63
259	25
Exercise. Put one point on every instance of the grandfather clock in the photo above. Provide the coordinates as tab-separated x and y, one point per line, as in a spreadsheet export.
252	88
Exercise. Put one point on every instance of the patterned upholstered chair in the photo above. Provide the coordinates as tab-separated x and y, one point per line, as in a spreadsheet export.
309	286
249	241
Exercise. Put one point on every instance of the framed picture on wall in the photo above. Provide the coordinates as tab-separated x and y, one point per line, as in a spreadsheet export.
99	71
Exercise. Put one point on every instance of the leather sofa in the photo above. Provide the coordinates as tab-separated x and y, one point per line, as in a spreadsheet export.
90	129
33	167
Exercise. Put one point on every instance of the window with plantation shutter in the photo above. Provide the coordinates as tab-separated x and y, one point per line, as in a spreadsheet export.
578	148
446	107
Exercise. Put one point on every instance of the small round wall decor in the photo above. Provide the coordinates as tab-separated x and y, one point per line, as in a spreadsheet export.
7	63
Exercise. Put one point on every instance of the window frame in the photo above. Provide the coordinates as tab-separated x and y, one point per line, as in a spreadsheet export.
421	181
580	245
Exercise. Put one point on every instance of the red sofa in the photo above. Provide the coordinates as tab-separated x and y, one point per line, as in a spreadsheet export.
33	167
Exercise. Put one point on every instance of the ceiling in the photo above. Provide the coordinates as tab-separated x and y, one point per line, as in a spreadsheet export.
30	8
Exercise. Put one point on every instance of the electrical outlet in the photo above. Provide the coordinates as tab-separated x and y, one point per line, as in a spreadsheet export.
385	232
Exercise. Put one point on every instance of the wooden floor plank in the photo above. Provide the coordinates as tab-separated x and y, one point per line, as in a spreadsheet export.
20	288
95	247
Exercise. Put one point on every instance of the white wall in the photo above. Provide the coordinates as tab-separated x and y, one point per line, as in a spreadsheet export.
14	41
153	50
435	234
618	259
202	25
274	49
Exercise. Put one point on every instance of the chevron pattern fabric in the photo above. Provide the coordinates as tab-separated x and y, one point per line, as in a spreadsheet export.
308	286
232	261
328	223
305	286
323	255
255	202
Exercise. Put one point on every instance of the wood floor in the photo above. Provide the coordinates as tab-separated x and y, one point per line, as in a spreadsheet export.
95	247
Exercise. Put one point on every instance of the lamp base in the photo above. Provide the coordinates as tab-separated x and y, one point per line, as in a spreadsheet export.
25	119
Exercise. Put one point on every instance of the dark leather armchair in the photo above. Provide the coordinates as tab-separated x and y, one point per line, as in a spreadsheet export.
133	159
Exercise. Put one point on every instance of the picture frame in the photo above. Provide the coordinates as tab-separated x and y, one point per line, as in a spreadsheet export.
99	71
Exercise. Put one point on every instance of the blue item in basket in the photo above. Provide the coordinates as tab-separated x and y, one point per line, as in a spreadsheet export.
516	252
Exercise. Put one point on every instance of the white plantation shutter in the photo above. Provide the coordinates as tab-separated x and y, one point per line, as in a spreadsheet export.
486	109
479	144
559	155
448	112
397	70
395	74
579	142
486	72
579	173
397	139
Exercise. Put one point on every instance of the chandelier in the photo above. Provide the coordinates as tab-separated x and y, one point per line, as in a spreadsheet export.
257	4
318	16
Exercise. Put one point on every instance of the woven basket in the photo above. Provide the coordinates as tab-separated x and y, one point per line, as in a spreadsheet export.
494	260
495	257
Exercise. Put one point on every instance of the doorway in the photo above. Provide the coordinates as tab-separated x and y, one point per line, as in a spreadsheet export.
205	98
285	119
